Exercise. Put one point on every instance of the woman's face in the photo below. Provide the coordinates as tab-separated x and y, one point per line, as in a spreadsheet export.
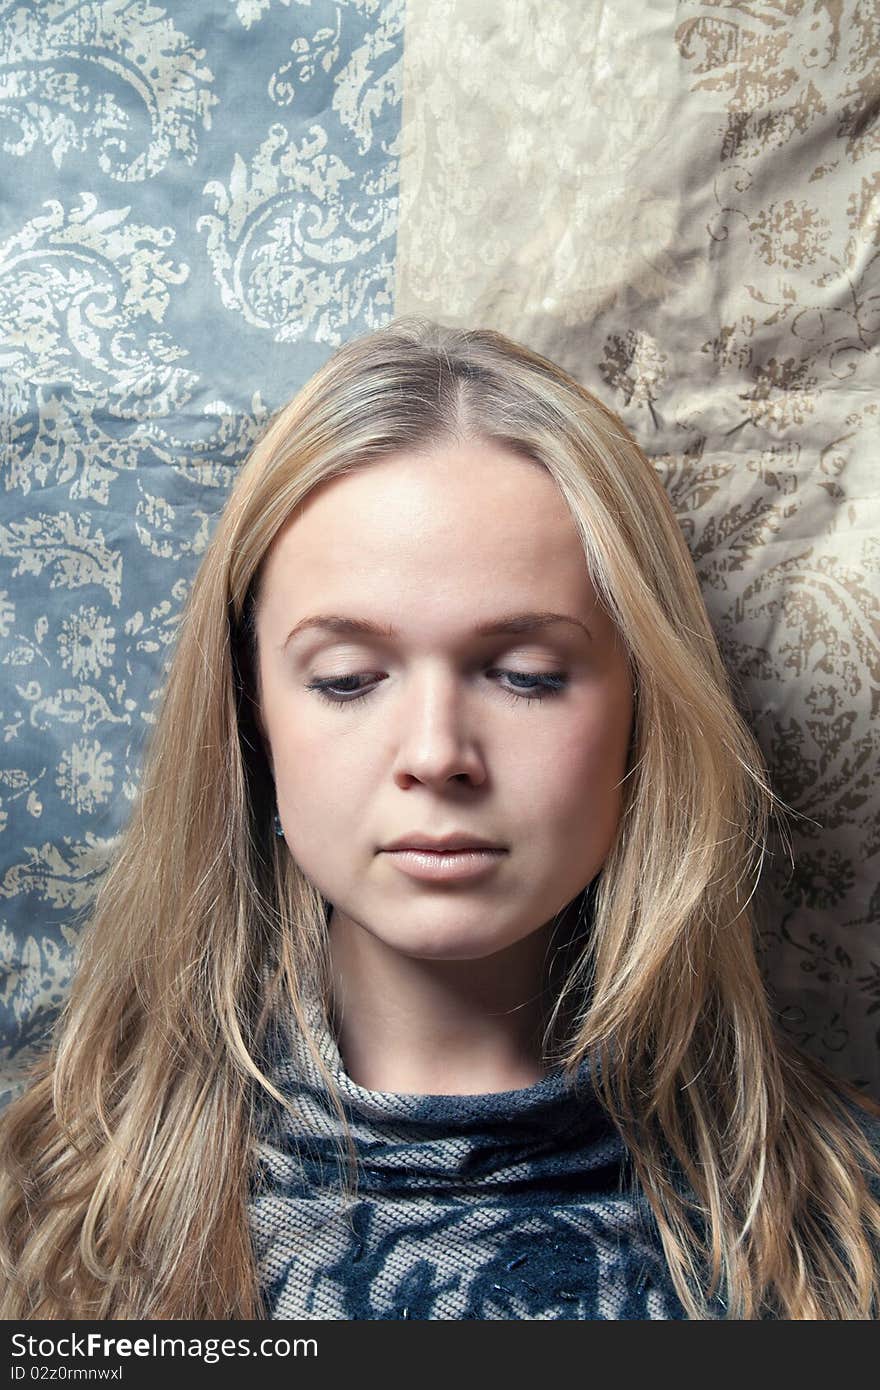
436	728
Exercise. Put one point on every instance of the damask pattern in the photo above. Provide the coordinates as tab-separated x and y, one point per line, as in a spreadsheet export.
200	202
681	204
115	81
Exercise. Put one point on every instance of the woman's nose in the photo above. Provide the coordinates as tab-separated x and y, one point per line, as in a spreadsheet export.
437	738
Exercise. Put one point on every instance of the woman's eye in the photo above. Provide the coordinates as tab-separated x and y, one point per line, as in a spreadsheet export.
327	687
524	685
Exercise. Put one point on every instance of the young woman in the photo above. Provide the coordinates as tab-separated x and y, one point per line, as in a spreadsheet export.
423	981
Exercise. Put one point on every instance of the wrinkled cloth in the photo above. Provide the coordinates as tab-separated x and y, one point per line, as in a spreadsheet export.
515	1204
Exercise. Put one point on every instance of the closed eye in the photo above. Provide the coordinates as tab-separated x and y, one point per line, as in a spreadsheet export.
538	685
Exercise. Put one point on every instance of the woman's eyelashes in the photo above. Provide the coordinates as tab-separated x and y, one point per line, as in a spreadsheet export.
538	685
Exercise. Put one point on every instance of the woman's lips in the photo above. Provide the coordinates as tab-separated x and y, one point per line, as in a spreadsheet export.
444	866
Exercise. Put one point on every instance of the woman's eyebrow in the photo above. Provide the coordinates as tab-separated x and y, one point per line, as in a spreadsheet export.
514	622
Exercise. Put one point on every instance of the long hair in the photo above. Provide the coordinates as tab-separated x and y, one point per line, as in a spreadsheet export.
126	1165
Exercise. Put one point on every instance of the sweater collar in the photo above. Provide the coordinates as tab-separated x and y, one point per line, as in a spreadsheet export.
428	1136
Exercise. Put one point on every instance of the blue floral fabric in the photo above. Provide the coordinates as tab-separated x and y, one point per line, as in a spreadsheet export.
198	202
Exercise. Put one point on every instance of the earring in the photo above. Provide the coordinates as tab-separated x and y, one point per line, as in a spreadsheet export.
279	828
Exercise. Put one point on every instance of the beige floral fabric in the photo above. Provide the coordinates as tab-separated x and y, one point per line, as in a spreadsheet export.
681	204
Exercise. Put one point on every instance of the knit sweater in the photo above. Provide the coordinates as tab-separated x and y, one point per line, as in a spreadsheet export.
516	1204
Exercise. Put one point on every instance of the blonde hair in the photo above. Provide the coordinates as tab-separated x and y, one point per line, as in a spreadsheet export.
126	1166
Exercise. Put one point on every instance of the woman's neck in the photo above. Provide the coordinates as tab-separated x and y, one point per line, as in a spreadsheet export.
410	1025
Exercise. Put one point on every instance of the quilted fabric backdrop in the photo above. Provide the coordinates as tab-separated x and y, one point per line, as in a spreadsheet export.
199	199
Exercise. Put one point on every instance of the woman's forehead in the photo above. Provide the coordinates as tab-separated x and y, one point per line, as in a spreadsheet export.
450	549
470	497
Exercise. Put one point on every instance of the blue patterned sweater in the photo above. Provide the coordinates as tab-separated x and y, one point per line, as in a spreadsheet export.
517	1204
